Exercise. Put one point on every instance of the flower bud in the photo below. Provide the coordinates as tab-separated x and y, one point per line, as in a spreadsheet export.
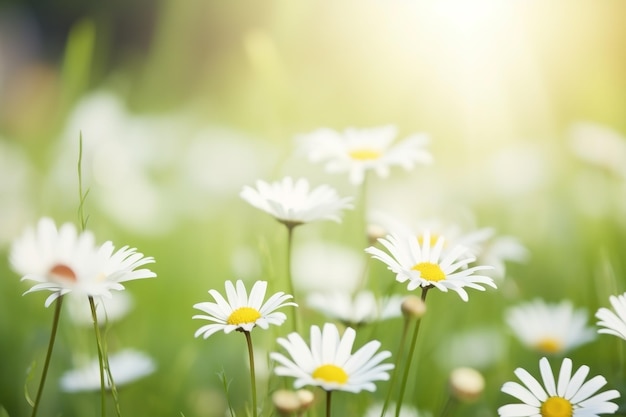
413	306
466	384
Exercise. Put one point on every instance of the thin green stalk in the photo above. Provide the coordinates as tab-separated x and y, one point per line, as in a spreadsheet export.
46	364
405	331
449	406
103	362
252	374
290	228
328	402
96	329
410	357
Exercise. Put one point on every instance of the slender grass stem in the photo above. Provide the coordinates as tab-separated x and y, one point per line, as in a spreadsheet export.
96	329
407	366
252	373
103	362
46	364
405	331
290	230
449	407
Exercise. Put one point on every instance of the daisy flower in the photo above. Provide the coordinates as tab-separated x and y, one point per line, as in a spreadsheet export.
63	261
376	409
361	308
611	322
357	151
240	311
549	328
569	395
329	363
425	265
294	202
126	366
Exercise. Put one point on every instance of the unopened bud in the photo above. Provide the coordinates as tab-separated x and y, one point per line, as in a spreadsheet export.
413	306
466	384
306	398
286	402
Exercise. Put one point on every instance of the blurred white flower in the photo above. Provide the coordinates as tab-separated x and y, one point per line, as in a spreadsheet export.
218	162
295	202
613	322
16	190
108	310
599	145
319	265
549	328
63	260
126	366
376	409
128	162
477	348
329	362
360	308
357	151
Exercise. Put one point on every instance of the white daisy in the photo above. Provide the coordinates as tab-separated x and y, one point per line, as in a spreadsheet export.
294	202
62	261
360	308
425	265
376	409
613	323
240	311
568	396
549	327
126	366
329	363
357	151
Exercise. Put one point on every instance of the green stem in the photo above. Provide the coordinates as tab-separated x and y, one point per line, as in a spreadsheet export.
290	229
405	331
252	374
46	364
103	362
328	402
96	329
449	406
410	357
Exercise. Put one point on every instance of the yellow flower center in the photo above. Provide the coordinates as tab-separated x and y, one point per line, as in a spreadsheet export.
556	407
549	345
364	154
331	373
429	271
63	273
243	315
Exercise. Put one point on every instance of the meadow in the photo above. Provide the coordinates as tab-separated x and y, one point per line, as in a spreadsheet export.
144	123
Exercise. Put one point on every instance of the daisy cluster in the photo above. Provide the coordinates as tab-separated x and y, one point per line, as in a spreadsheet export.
331	325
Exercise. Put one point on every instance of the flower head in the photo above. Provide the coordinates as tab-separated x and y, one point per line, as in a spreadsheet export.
549	328
294	202
426	265
613	323
329	363
126	366
568	396
63	261
357	151
240	311
361	308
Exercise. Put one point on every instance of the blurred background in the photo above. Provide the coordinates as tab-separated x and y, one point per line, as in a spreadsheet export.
181	104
